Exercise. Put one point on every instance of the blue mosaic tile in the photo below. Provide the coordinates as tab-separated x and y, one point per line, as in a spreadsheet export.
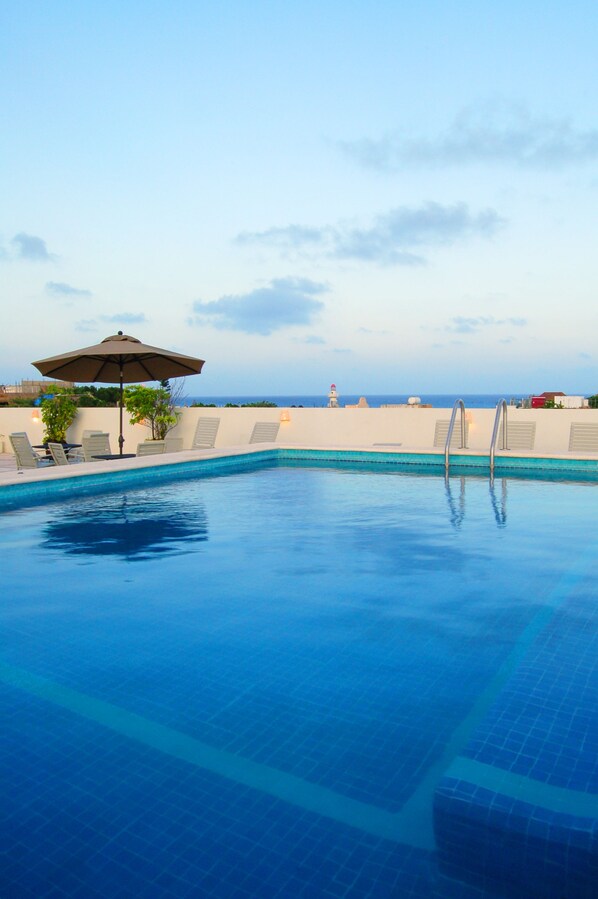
542	732
373	615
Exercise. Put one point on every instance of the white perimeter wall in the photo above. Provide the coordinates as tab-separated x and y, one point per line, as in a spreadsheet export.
411	427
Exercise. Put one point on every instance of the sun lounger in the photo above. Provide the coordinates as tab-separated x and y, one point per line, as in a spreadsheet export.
521	435
583	438
205	433
60	456
25	455
441	433
96	445
264	432
150	448
76	454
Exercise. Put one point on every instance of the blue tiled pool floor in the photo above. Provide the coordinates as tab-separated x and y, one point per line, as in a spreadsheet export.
254	685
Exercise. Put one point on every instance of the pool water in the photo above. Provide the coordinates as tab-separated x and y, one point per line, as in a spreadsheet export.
300	681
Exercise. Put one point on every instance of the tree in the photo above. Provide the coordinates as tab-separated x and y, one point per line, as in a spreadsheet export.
90	395
152	407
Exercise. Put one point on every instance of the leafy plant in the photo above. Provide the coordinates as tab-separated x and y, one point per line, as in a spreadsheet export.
152	407
593	401
58	414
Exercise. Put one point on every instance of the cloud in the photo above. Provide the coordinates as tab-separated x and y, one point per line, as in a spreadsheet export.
461	324
27	246
491	132
59	289
363	330
125	318
312	339
390	239
291	235
584	356
86	324
285	302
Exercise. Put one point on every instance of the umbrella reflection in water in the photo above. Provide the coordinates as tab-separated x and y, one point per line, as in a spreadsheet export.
133	529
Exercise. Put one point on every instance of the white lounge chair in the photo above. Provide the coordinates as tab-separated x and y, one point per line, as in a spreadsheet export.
264	432
521	435
205	433
583	438
76	454
96	445
60	456
441	433
150	448
25	455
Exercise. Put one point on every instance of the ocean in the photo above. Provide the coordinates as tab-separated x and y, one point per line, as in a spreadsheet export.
438	400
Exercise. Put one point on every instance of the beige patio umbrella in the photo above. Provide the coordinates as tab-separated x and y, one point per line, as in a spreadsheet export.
119	359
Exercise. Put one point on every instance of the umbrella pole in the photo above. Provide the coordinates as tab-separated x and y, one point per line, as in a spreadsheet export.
121	439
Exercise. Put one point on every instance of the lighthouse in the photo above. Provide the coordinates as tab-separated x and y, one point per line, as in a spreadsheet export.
332	397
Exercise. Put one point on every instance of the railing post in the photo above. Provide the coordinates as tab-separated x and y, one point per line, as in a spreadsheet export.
458	404
501	406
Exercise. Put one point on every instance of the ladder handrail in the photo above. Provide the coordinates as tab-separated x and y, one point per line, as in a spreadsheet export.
501	406
447	445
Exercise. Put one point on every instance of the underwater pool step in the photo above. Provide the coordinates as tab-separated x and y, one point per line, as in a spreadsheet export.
492	839
518	808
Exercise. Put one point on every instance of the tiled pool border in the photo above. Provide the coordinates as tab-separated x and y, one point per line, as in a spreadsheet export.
45	489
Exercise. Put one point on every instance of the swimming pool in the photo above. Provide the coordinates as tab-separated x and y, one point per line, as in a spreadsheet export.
301	681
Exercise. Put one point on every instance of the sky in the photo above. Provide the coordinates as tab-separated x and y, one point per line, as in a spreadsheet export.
394	197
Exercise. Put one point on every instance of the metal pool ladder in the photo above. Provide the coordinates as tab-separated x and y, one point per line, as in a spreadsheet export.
458	404
501	406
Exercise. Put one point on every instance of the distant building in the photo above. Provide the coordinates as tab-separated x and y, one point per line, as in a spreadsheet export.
559	399
28	390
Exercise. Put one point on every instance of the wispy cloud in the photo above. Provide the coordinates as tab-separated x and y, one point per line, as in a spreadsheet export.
283	303
86	325
490	132
34	249
377	332
59	289
311	340
389	240
125	318
462	324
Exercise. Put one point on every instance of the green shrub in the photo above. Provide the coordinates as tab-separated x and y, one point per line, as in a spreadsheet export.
152	407
58	414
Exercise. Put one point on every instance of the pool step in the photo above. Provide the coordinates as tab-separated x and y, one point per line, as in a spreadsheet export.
516	813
